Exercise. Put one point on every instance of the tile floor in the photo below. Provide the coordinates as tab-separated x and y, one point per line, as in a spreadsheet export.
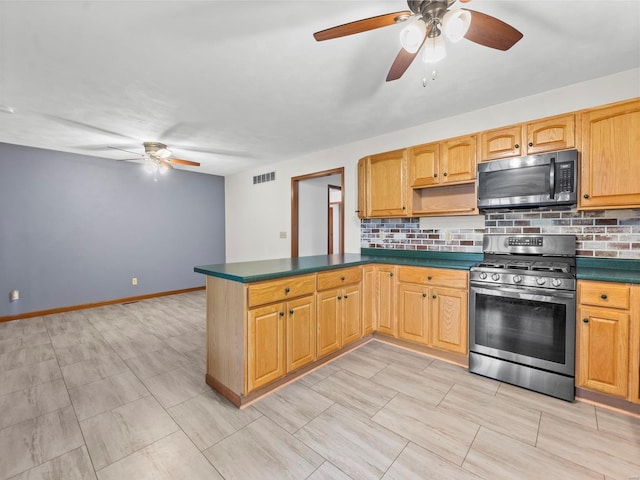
118	392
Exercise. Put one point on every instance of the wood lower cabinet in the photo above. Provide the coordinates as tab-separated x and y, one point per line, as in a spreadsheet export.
329	333
300	332
266	345
368	299
608	338
609	157
449	324
386	300
413	313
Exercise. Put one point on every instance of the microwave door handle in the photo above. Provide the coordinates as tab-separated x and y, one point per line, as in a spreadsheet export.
552	178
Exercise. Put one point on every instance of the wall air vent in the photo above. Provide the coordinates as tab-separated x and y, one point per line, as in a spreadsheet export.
265	177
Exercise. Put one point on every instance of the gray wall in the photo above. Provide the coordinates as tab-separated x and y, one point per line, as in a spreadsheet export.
75	229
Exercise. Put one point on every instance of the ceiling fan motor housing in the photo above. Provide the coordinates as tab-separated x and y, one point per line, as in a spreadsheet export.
430	9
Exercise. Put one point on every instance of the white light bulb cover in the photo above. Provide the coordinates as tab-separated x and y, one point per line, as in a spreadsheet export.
412	36
163	168
455	24
434	50
163	153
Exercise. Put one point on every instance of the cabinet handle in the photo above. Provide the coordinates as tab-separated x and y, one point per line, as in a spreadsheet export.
290	312
516	146
357	211
287	290
434	296
346	296
531	144
445	174
282	314
435	175
342	278
586	195
339	298
403	207
391	274
424	295
585	320
603	296
429	277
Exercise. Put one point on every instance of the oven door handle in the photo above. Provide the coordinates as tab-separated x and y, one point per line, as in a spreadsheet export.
524	293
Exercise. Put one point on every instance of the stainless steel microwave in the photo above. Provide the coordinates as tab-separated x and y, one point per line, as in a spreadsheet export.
532	181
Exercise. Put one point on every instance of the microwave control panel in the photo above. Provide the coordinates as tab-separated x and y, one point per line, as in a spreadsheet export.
564	175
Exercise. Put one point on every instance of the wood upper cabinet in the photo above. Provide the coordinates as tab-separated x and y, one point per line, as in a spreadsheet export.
362	188
449	319
300	332
610	157
449	161
413	312
386	185
386	300
540	136
266	345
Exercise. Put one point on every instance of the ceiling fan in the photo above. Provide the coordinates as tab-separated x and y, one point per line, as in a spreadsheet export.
157	158
428	20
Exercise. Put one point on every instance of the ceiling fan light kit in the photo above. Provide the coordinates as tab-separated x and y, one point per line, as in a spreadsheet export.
432	19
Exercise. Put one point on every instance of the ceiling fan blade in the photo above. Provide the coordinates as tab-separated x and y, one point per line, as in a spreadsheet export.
401	63
167	164
361	25
123	150
178	161
491	32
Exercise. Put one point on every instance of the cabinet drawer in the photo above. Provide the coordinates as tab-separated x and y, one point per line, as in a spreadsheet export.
283	289
602	294
434	276
337	278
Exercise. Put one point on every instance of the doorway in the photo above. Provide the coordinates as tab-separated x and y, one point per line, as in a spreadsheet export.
311	204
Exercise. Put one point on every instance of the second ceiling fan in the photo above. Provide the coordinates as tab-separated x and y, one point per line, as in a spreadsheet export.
428	21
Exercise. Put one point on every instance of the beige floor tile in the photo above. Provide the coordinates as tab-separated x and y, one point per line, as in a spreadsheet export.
114	435
32	442
150	364
32	402
70	337
293	406
198	359
12	343
448	372
263	451
619	424
131	342
93	369
170	458
412	383
186	342
310	379
360	364
18	328
497	456
356	445
26	356
493	412
416	463
106	394
29	376
435	429
355	392
208	418
82	351
599	451
578	412
74	465
176	386
328	471
398	356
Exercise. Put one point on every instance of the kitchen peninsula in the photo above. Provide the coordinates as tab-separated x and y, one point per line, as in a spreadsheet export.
271	321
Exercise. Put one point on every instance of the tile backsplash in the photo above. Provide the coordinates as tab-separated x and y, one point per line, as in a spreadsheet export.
600	233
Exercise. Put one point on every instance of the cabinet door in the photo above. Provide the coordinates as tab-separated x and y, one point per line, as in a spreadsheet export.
329	333
266	358
413	312
557	133
351	314
301	332
362	188
449	319
387	185
369	299
386	321
424	162
610	153
603	350
458	159
501	143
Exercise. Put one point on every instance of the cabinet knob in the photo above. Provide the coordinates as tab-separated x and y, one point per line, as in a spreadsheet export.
346	296
281	314
339	298
424	295
290	312
287	290
445	174
516	146
403	207
342	278
435	175
357	211
391	274
429	277
586	195
603	296
434	296
585	320
531	144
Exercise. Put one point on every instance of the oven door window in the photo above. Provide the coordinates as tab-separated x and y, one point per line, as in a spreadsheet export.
524	327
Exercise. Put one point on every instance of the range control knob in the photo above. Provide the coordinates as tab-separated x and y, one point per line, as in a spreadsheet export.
483	275
556	282
517	279
541	280
495	276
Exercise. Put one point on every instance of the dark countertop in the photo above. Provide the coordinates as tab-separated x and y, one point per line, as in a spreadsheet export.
245	272
601	269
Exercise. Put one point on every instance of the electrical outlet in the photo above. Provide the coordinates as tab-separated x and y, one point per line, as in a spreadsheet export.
283	234
448	236
14	295
134	281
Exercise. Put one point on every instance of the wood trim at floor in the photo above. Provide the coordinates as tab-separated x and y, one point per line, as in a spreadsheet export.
53	311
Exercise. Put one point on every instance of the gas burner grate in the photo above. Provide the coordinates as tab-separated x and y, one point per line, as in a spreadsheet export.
550	267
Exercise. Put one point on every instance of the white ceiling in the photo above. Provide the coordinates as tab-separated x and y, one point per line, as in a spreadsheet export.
236	84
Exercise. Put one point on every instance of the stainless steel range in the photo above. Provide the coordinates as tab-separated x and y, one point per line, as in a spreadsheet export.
522	307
